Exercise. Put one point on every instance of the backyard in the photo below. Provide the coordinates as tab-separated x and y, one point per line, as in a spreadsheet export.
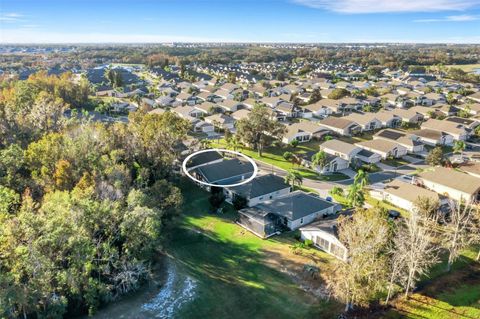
239	275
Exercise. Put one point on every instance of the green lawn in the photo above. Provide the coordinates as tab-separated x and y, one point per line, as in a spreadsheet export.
274	156
233	270
395	162
465	67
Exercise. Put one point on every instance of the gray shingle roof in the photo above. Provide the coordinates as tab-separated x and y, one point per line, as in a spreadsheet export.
261	185
295	205
226	169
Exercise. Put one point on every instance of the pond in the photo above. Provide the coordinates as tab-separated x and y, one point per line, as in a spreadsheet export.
162	297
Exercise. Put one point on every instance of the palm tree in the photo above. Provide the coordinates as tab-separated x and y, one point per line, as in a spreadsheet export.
320	159
459	147
355	195
361	178
293	178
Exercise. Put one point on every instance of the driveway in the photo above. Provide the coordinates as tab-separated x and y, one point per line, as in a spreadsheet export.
320	186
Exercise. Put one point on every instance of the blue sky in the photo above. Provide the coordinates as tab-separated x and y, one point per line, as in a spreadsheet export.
65	21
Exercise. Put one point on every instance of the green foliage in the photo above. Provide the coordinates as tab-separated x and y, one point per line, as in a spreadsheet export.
336	190
320	159
435	157
338	93
95	199
259	129
239	202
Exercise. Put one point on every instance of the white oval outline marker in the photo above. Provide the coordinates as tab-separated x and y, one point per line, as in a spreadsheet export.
185	161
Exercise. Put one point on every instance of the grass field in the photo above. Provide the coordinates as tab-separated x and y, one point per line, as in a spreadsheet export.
274	156
238	274
465	67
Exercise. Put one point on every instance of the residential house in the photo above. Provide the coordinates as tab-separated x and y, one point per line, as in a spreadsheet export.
458	131
229	105
240	114
222	121
431	137
402	194
408	115
226	172
340	126
410	143
344	150
388	119
333	163
450	183
202	159
259	190
367	121
303	132
287	212
385	148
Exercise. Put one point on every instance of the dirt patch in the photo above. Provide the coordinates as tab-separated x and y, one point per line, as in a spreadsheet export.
306	269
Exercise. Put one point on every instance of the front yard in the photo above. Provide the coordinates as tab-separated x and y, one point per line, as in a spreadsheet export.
274	156
239	275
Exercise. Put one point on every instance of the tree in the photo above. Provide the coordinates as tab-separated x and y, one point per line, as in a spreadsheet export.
288	156
315	96
427	207
320	159
355	195
338	93
459	146
217	197
47	113
294	143
239	202
293	178
435	157
361	178
456	229
359	278
374	71
413	252
232	77
260	129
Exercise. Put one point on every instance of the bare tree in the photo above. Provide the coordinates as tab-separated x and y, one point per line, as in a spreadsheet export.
359	279
456	230
415	250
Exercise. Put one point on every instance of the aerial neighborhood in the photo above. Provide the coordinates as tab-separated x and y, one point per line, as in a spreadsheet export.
261	176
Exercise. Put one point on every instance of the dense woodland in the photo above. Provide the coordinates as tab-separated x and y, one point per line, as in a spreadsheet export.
388	55
82	204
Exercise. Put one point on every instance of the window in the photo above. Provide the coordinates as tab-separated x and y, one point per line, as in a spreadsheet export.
322	243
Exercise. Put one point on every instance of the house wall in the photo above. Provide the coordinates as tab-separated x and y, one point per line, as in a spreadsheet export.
395	200
447	191
329	168
260	199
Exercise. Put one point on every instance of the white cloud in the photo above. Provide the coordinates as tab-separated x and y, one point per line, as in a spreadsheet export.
457	18
383	6
30	35
11	17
